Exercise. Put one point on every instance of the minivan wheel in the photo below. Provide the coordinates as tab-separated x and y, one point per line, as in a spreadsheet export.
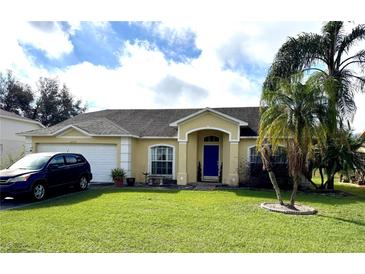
83	183
39	191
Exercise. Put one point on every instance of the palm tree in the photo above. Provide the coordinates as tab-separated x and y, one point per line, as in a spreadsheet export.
328	54
291	114
342	154
266	153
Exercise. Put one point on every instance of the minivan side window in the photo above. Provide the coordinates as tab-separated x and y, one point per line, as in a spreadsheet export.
57	161
70	159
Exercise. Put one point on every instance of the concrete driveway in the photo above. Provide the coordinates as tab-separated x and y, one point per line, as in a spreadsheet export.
13	203
9	203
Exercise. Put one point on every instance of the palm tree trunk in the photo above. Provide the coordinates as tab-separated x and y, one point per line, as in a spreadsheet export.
331	183
276	186
295	190
322	180
265	157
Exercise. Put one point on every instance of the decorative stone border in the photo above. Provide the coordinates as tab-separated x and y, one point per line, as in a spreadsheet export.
301	209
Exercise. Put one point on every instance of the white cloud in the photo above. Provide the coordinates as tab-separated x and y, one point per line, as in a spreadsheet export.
143	71
46	36
13	57
144	76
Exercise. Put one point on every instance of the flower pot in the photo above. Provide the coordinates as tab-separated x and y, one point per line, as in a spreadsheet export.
130	181
118	182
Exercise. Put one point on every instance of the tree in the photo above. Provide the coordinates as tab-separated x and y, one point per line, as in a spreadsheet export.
328	55
52	105
342	154
266	153
291	114
15	96
55	104
68	107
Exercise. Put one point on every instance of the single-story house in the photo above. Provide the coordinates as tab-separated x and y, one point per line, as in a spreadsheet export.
12	146
178	144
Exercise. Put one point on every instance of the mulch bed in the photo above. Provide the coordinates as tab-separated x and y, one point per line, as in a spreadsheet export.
299	209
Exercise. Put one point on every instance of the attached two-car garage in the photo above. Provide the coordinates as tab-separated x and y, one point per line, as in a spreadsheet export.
102	157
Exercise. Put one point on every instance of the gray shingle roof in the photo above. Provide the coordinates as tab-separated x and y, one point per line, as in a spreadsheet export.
14	115
146	122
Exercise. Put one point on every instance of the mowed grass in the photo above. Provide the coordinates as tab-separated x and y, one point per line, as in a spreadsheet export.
146	220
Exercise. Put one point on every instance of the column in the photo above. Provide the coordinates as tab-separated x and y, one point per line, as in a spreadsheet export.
181	174
126	155
28	145
233	164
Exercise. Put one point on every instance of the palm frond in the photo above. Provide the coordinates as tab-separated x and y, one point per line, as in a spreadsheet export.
295	55
357	34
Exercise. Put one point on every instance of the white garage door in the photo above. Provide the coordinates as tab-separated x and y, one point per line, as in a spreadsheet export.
102	157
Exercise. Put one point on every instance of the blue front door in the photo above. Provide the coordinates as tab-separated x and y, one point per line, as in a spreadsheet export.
211	158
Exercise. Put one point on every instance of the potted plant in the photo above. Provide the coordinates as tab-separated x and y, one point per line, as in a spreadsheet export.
145	177
130	181
118	175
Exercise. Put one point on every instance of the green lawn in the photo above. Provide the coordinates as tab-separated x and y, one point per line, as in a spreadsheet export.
146	220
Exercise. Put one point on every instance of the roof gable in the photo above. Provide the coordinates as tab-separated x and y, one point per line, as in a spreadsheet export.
71	130
218	113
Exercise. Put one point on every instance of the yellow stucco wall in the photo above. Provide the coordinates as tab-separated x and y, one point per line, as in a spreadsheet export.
140	148
243	148
71	132
225	156
208	120
192	157
243	155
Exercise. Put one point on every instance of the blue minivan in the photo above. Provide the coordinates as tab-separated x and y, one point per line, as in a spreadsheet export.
37	173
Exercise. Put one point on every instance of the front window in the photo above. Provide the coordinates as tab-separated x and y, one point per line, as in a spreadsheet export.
279	156
161	160
31	162
255	157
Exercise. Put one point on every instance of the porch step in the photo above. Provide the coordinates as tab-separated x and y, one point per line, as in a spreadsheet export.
206	186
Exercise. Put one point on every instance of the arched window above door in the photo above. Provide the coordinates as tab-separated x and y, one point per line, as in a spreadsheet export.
211	138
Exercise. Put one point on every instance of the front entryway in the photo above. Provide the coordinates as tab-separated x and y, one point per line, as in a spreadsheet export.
211	162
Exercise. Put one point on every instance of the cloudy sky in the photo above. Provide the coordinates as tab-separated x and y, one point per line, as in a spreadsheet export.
153	64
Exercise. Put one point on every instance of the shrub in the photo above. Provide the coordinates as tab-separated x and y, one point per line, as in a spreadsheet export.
118	173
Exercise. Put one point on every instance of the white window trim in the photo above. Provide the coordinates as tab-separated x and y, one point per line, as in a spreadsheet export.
249	154
173	159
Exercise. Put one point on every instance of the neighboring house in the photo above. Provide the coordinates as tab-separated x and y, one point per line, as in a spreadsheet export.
164	142
12	146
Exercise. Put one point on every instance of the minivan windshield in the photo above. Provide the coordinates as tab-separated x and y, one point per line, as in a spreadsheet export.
31	161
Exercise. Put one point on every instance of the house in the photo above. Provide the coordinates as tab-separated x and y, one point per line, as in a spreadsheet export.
12	146
170	143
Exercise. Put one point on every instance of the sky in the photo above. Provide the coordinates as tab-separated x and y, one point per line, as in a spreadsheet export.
140	64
